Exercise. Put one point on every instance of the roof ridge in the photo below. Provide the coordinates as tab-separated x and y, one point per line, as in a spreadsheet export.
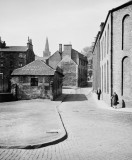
47	64
53	54
37	67
66	57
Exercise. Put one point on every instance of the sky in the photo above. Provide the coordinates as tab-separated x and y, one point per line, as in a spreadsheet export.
73	22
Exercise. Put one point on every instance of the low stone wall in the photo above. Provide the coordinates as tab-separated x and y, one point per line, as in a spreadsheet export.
33	92
6	97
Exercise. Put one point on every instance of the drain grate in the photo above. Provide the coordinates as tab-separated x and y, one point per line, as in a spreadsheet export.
52	131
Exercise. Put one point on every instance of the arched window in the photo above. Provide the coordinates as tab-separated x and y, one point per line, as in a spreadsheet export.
108	39
102	79
105	45
123	76
107	77
126	32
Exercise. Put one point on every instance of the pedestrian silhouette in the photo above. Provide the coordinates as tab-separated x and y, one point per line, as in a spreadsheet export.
114	100
98	93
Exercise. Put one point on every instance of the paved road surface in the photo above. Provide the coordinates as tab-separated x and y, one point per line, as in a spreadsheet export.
93	134
29	123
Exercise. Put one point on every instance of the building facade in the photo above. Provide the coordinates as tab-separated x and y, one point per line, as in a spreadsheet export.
116	55
96	63
12	57
36	80
72	63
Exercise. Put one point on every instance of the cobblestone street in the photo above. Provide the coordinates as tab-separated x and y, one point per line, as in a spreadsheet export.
93	133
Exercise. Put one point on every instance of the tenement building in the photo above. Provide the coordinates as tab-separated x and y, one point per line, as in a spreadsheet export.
12	57
115	42
72	63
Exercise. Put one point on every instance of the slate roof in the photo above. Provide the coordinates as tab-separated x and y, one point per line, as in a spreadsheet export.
14	49
37	67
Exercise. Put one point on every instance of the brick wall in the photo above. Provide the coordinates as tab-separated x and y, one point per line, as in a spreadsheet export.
105	61
122	48
96	65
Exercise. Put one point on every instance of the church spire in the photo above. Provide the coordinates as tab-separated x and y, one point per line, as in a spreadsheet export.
46	53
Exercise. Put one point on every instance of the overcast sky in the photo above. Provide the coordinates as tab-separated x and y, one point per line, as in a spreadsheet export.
62	21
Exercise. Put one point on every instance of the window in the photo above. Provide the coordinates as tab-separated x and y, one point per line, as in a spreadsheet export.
107	77
1	54
105	45
21	79
34	81
1	64
108	40
102	79
20	64
1	75
20	55
11	64
126	32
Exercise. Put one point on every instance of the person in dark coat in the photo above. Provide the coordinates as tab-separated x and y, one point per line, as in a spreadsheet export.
98	93
114	100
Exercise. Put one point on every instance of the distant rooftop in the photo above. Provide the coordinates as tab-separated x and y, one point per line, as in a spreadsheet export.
14	49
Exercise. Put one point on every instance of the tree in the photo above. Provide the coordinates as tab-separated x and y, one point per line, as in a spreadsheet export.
87	51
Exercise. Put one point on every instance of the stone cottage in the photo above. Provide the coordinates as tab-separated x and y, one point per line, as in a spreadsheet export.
73	65
36	80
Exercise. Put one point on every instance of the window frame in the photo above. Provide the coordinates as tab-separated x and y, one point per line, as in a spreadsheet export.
34	81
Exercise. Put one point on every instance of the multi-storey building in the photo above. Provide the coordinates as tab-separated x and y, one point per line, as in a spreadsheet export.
115	42
96	63
12	57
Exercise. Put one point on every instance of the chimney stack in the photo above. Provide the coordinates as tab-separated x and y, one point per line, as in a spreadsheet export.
67	50
101	26
29	44
60	48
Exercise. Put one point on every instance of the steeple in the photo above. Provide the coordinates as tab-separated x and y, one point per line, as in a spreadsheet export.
46	52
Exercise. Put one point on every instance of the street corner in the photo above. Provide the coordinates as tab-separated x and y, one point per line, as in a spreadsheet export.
31	127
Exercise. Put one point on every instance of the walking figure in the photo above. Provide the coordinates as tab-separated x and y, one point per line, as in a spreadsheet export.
114	100
98	93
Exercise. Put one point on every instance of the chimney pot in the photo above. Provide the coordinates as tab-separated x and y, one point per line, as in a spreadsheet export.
60	48
101	26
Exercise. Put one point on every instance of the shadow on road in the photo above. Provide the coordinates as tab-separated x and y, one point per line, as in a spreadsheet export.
75	97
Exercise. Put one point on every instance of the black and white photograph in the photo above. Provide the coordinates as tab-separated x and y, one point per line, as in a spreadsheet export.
65	79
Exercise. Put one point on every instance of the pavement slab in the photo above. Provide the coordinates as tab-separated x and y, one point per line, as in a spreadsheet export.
31	123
